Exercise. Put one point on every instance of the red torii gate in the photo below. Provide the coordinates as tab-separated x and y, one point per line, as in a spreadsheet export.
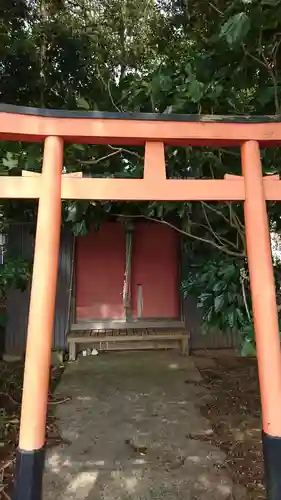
154	131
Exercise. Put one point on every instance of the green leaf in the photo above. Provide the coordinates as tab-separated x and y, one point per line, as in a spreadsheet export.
160	211
188	69
266	95
248	348
165	82
80	228
219	302
271	169
79	147
82	103
71	212
240	315
217	91
195	90
249	332
236	28
230	319
228	272
204	297
14	273
168	110
272	3
219	286
208	316
10	161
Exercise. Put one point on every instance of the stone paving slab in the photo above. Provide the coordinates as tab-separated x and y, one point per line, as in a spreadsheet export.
122	401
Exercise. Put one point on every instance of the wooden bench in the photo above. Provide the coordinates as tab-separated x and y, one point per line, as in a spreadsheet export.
105	342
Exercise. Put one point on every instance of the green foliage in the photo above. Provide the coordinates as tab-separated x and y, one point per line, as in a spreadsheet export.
14	273
236	28
223	57
82	104
248	347
217	287
221	289
10	161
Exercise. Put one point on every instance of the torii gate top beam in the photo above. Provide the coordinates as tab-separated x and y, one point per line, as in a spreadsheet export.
153	131
35	124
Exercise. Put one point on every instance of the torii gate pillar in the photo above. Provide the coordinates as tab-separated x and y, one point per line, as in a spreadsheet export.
265	314
31	450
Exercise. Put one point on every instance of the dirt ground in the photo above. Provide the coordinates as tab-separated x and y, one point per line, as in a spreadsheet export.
221	448
235	416
11	380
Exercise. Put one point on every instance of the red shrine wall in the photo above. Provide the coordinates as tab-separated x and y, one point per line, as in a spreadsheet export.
100	267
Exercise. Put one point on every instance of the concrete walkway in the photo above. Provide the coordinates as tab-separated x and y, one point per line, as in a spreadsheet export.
122	404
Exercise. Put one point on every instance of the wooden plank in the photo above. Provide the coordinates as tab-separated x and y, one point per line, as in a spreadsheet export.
125	338
273	177
137	189
20	187
272	190
127	189
126	325
30	173
73	174
141	345
234	177
143	190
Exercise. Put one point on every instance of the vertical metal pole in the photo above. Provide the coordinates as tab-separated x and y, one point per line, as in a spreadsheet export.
30	454
265	314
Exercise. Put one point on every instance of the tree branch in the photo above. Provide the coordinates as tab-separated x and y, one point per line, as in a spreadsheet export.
107	87
115	152
274	81
223	240
181	231
245	299
264	62
233	220
239	228
216	9
111	98
216	236
98	160
259	61
229	152
216	211
127	151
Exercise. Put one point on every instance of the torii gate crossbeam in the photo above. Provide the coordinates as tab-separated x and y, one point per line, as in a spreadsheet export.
154	131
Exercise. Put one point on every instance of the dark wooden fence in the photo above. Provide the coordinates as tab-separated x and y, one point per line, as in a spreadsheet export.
21	243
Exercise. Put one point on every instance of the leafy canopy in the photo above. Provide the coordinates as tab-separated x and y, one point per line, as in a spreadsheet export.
220	56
